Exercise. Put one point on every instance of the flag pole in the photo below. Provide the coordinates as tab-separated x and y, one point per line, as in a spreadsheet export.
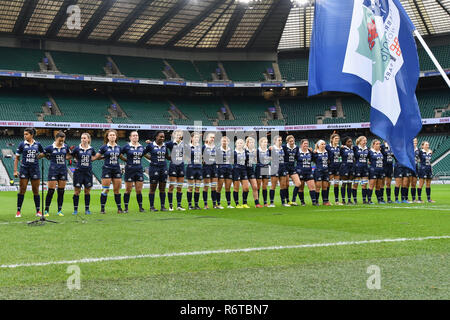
432	57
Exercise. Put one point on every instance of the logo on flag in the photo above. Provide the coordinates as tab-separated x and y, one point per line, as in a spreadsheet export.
374	54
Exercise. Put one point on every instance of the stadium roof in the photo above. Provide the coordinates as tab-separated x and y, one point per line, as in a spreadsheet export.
188	24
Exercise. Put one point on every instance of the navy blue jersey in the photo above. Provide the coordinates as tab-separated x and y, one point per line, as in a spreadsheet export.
361	155
334	154
176	151
425	159
347	155
252	157
111	155
320	159
209	154
263	157
225	157
304	160
83	157
196	156
157	154
29	153
388	156
376	159
134	155
57	156
290	154
240	159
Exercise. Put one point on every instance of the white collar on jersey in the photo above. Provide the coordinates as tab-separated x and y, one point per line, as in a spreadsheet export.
156	145
275	147
429	151
30	144
243	150
262	149
290	147
109	145
81	147
325	151
211	146
228	149
54	146
365	148
375	151
307	151
137	146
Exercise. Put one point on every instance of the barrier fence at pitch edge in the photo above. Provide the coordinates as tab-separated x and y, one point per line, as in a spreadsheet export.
307	127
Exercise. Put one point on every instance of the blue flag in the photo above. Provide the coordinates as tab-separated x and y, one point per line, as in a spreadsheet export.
367	47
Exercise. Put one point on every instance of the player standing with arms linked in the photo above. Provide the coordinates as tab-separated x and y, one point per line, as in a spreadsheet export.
30	151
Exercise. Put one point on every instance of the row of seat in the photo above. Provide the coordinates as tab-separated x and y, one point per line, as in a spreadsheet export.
141	67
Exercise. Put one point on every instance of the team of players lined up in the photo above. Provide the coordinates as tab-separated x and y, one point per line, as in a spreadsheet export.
338	165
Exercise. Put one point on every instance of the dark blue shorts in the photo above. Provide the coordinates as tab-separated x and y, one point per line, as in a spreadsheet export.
240	173
361	171
290	168
376	173
157	174
251	173
389	171
225	172
57	174
321	175
279	170
334	169
194	173
176	170
305	174
111	173
32	173
262	172
425	173
210	171
346	170
401	172
133	174
412	173
82	178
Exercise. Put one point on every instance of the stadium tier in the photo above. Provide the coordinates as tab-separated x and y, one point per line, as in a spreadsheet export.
139	111
246	70
247	111
20	59
440	52
206	68
20	105
305	111
79	63
139	67
293	69
80	108
201	109
429	101
185	69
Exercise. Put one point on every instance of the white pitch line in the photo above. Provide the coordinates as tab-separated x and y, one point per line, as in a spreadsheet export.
224	251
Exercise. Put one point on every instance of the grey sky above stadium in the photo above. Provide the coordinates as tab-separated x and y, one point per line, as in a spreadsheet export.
234	25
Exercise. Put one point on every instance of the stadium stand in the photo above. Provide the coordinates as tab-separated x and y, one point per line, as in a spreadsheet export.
140	67
429	101
305	111
201	109
20	59
80	108
185	69
246	111
205	68
139	110
79	63
294	69
21	105
246	70
441	54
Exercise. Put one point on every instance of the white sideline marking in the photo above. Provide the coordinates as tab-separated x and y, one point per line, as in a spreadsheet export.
198	253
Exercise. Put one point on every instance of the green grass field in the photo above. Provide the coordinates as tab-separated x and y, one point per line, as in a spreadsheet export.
412	269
